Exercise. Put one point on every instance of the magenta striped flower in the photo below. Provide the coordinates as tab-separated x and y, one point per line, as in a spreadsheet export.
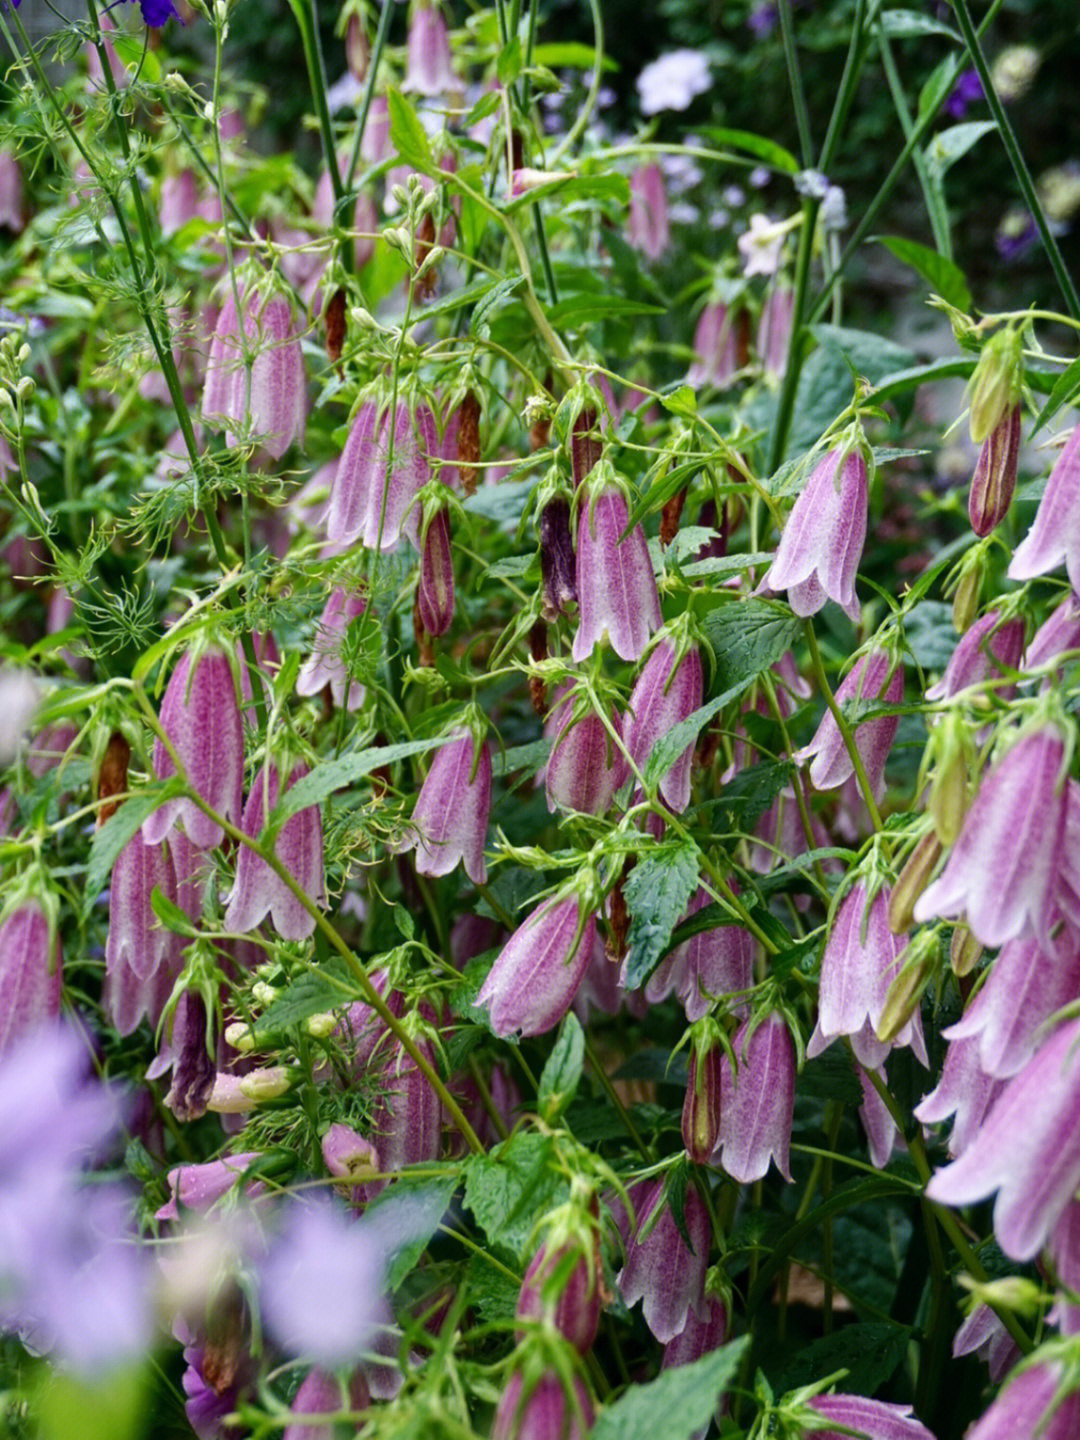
142	958
30	971
758	1102
430	68
712	964
994	481
661	1270
543	1410
716	356
965	1091
1026	1406
449	823
534	979
647	228
257	891
562	1284
380	474
324	666
616	587
1055	535
873	1419
823	539
586	768
989	648
267	396
668	691
873	677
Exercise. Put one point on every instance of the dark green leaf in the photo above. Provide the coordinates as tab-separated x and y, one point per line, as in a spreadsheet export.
872	355
942	274
510	1188
903	381
657	893
333	775
525	758
747	637
677	1404
170	914
869	1353
117	831
767	150
413	1209
562	1070
1066	388
315	991
587	309
407	135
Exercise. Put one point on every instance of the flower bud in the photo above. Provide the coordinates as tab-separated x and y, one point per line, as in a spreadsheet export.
543	1411
562	1285
995	474
267	1083
557	558
701	1107
913	880
449	823
965	952
995	386
917	967
257	890
112	775
435	592
965	605
948	800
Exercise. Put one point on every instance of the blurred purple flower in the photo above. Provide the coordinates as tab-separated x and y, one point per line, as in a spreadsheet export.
967	91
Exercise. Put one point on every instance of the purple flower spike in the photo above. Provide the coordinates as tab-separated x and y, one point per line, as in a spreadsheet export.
373	493
873	1419
586	769
616	587
715	963
994	481
661	1270
142	958
965	1090
430	69
758	1105
869	679
533	981
325	666
1055	535
665	695
435	592
450	820
257	891
1022	1408
30	972
716	351
823	540
1003	870
201	717
985	651
648	229
546	1412
857	966
1027	1149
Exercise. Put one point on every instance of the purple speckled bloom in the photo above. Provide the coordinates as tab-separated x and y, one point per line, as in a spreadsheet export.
546	1411
198	1187
320	1394
257	891
989	648
407	1121
1059	633
201	717
871	678
774	329
585	768
661	1270
449	823
1055	535
982	1333
30	972
533	981
823	539
716	350
1024	1407
435	590
562	1283
665	694
1003	870
615	583
430	69
873	1419
648	229
1027	1149
324	666
268	397
965	1091
373	495
714	963
142	958
758	1103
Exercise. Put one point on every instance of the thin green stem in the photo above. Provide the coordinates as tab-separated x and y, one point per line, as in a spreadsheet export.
374	60
848	83
798	93
939	221
785	408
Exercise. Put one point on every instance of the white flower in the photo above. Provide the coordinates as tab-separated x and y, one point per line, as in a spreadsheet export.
671	82
1014	70
20	696
761	246
834	209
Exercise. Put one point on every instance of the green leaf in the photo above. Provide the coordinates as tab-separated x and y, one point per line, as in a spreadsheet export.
508	62
132	49
570	187
495	300
767	150
657	893
869	1353
949	146
913	376
747	637
941	273
681	401
561	1074
570	54
910	25
110	1406
524	758
413	1208
170	914
333	775
1066	388
871	355
677	1404
118	830
509	1189
488	103
938	84
672	744
407	135
587	309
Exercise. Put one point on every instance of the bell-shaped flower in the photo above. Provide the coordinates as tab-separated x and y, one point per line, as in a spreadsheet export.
257	891
876	1120
983	1334
320	1393
429	69
30	971
1055	535
668	691
873	677
823	539
1037	1401
201	717
661	1270
1057	635
774	330
536	975
325	666
986	651
871	1419
557	567
142	958
648	229
964	1091
382	470
407	1120
449	823
179	201
562	1284
708	966
701	1104
994	481
716	349
544	1409
616	587
266	397
586	768
12	216
1003	870
1027	1149
757	1107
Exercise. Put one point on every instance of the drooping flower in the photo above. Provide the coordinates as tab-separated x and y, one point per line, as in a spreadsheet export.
258	891
201	717
711	964
661	1270
716	349
430	68
267	397
11	194
325	666
199	1187
702	1102
1055	535
544	1410
616	587
142	958
873	677
758	1102
557	566
30	971
990	647
774	329
374	491
586	768
562	1285
965	1091
435	589
449	823
1026	1406
668	691
648	229
823	539
1058	634
1003	870
874	1419
533	981
407	1121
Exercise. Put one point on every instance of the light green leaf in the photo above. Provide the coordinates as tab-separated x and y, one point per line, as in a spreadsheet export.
677	1404
910	25
333	775
681	401
562	1070
657	893
941	273
756	145
571	55
1066	388
326	987
949	146
407	135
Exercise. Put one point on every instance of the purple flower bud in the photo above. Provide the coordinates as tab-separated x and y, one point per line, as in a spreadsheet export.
320	1394
661	1270
758	1103
877	1121
1033	1130
348	1155
277	405
373	494
985	651
430	69
30	972
142	958
201	717
450	820
1003	870
1026	1406
615	582
714	963
873	1419
716	349
965	1090
1055	535
562	1285
557	558
774	329
534	979
823	539
871	678
12	216
586	768
435	592
193	1071
544	1411
701	1106
257	891
648	229
667	692
995	474
325	666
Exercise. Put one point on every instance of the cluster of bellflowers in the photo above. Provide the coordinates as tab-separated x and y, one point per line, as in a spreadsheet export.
502	850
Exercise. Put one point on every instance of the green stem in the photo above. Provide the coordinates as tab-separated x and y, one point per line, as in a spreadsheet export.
786	404
1016	158
939	222
848	83
798	94
307	20
369	87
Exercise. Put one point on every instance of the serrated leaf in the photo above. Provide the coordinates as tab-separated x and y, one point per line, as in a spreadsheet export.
333	775
561	1074
118	830
674	741
327	988
909	25
870	1353
510	1188
747	637
497	297
1066	388
942	274
413	1209
678	1403
407	135
767	150
870	354
657	893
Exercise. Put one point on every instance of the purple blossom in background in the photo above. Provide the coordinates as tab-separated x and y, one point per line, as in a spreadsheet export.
672	82
966	92
1024	1407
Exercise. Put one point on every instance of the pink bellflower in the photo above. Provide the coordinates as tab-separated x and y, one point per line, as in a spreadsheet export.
823	539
